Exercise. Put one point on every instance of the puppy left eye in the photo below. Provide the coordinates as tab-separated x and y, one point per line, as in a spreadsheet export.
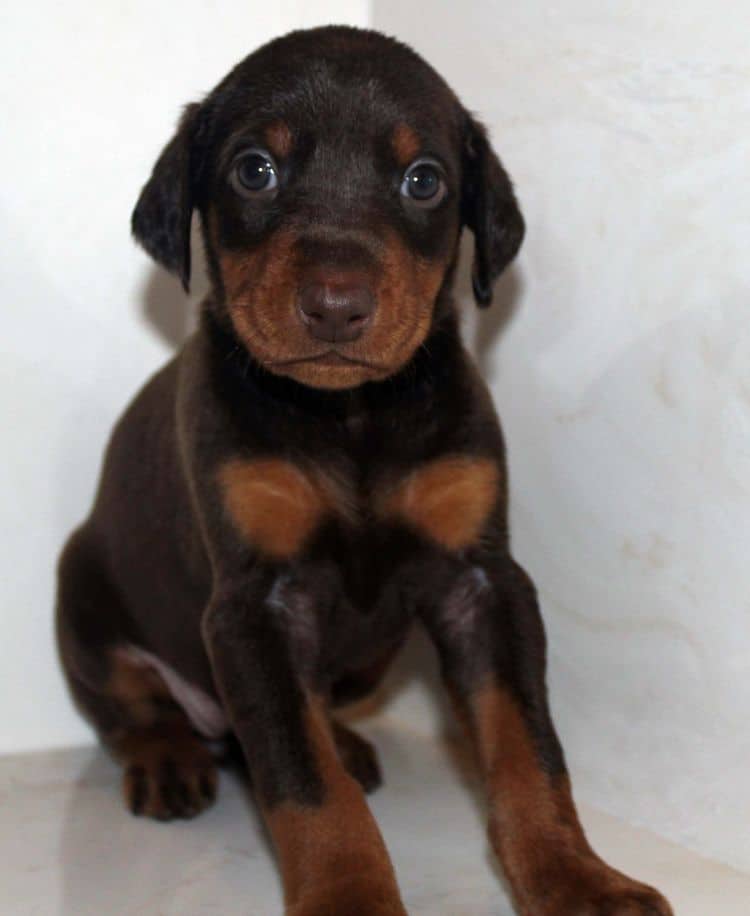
423	183
254	174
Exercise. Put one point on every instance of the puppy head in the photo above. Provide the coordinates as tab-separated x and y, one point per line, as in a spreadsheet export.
333	170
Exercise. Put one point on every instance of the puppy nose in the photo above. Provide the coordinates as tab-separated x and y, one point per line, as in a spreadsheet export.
336	312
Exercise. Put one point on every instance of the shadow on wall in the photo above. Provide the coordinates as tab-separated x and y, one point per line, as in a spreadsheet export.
165	305
482	327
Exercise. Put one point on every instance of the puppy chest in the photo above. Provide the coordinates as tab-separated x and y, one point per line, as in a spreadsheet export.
280	508
336	619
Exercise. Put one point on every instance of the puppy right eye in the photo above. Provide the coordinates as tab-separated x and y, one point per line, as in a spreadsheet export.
423	184
254	174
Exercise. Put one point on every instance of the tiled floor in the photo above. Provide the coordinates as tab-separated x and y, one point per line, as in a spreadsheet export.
68	847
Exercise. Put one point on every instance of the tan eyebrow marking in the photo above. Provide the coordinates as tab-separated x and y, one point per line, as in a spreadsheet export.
405	143
279	139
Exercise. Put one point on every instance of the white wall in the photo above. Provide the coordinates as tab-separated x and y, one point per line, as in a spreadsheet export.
622	379
89	94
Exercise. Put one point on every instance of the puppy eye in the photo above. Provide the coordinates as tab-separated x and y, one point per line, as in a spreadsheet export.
254	174
423	183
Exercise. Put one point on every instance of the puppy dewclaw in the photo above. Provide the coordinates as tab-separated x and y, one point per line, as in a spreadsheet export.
319	467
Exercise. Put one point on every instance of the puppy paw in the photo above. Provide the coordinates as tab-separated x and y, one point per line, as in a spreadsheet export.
592	888
642	902
166	778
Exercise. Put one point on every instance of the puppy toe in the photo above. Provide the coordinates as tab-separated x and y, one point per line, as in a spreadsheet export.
166	780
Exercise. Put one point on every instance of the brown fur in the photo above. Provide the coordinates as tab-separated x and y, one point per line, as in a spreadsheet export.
273	504
449	499
137	688
318	468
534	826
338	842
168	771
261	288
406	144
279	139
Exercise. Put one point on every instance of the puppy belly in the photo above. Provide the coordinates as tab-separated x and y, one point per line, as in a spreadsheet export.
205	714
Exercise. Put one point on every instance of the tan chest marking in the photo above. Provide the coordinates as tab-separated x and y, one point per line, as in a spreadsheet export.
449	499
276	505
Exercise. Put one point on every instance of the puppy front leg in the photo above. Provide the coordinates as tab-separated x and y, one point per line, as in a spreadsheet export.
491	641
330	851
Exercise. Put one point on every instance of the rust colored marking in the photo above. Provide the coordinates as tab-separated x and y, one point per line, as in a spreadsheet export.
279	139
529	815
262	285
406	298
534	826
168	771
405	143
449	499
138	688
508	759
332	856
274	504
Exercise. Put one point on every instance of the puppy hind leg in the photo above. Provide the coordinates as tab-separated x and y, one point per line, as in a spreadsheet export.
168	770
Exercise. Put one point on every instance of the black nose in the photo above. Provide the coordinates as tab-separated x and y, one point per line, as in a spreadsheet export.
336	312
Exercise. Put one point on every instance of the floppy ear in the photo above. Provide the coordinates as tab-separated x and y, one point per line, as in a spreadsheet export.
490	210
161	219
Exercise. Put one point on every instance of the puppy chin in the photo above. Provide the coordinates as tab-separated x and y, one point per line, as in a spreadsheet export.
331	373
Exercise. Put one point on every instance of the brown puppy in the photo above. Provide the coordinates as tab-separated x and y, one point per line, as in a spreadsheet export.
319	467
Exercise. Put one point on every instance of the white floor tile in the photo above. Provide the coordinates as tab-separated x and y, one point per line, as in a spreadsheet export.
68	847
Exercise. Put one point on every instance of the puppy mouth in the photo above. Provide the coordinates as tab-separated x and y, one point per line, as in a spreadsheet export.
332	358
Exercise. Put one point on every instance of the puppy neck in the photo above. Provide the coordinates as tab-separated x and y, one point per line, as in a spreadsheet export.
431	368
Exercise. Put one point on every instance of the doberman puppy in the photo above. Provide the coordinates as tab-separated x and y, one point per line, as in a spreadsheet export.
319	467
